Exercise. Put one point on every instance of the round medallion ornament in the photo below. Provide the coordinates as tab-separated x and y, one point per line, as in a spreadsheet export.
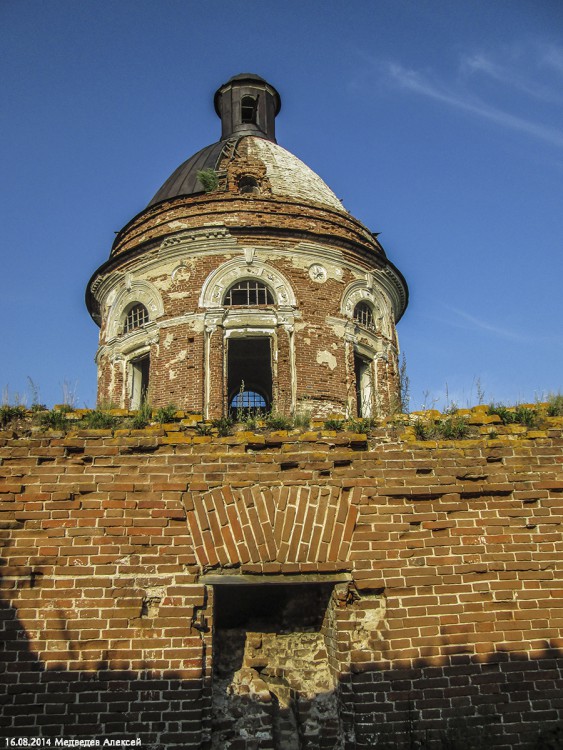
317	273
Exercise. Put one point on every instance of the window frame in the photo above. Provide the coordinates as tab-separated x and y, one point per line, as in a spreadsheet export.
132	317
363	315
259	288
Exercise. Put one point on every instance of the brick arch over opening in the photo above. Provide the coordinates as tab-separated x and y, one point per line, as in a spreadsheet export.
222	278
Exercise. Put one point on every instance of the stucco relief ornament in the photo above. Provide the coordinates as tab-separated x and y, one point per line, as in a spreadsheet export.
180	272
317	273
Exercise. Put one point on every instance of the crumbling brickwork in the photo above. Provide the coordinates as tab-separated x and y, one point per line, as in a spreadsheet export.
438	614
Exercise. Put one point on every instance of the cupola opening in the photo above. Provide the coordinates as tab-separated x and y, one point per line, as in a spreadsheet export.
248	184
248	109
364	386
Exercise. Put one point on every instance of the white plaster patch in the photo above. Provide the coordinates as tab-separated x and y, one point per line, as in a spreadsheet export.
326	358
339	329
178	224
178	295
180	357
290	176
197	325
167	343
368	626
172	374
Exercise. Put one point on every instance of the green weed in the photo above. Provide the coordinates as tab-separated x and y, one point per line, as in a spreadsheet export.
165	414
55	419
99	420
334	424
10	414
223	425
278	421
555	405
208	179
143	416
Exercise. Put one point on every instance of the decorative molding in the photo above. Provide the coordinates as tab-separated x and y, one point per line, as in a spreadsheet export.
210	232
131	292
318	273
367	290
238	269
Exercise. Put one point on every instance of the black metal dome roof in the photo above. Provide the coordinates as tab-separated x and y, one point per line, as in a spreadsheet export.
184	181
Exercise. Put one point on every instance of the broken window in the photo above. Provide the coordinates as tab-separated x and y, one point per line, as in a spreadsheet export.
249	374
364	386
363	314
139	380
248	292
248	108
137	316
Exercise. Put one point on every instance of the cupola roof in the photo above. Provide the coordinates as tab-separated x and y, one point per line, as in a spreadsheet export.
247	106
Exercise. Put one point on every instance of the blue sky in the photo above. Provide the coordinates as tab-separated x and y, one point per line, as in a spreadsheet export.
439	124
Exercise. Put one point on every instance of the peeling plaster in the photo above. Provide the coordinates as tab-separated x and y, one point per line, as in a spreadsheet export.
326	358
180	357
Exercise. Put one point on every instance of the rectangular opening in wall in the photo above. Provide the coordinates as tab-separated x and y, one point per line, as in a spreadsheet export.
140	368
271	671
249	374
364	388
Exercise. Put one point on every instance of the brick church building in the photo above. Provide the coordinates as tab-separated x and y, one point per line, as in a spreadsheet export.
246	281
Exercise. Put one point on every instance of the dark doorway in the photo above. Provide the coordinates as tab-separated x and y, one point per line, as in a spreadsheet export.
271	667
249	378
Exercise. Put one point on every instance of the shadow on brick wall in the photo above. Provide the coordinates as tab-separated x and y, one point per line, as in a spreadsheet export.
506	700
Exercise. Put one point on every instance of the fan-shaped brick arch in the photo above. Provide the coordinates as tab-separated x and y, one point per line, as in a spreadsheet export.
287	525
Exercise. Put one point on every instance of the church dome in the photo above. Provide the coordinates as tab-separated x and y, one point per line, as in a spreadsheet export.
247	106
286	175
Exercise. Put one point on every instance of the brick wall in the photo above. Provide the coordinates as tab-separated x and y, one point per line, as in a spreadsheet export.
434	572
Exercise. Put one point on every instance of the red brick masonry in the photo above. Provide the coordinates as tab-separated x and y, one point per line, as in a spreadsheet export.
451	620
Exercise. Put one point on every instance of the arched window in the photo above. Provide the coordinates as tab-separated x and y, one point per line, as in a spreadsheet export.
363	315
248	292
248	109
137	316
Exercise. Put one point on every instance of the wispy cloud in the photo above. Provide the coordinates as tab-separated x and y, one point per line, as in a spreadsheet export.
483	325
508	75
471	322
412	80
553	58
